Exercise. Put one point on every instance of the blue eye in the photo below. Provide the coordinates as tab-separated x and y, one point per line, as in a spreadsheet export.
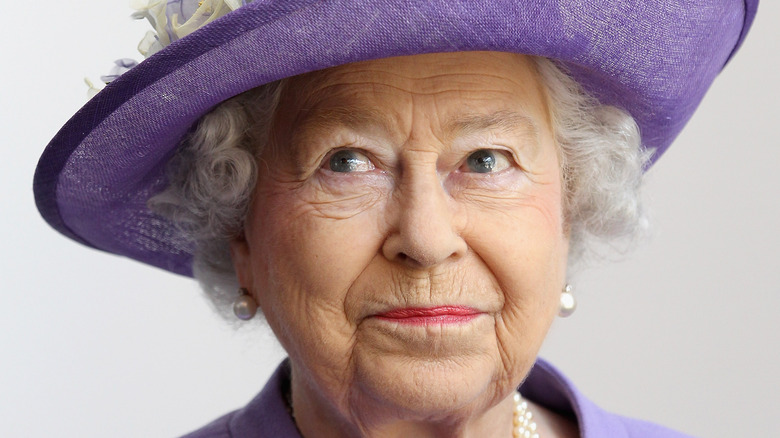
486	161
348	160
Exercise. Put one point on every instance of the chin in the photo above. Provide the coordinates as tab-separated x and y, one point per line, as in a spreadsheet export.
427	388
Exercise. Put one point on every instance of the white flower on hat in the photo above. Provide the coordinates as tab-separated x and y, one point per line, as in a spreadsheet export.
175	19
172	20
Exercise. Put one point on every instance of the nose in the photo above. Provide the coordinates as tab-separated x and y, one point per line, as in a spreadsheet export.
424	231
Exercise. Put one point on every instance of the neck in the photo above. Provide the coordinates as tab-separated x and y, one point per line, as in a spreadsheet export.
317	417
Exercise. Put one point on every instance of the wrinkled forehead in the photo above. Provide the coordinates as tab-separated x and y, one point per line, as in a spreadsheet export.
460	90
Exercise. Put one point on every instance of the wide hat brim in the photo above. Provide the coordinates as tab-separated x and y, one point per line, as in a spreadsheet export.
655	59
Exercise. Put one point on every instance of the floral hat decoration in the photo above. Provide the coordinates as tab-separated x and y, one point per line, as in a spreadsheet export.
165	16
654	59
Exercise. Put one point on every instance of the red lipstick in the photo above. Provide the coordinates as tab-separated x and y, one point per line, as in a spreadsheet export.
430	315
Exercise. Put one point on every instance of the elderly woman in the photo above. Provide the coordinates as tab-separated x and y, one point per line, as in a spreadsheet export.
399	188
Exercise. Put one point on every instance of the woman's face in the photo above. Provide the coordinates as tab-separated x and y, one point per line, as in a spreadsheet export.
406	240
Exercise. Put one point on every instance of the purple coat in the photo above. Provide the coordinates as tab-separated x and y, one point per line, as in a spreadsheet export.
266	415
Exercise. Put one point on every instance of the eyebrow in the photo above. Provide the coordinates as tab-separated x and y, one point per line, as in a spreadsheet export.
348	117
504	121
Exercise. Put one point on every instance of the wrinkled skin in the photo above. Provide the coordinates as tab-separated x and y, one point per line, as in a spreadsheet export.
406	217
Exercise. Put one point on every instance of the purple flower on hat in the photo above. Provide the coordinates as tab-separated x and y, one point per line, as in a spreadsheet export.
120	66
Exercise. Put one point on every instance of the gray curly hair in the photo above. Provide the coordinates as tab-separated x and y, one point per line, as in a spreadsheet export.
213	175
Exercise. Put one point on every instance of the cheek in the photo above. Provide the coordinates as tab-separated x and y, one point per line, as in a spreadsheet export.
524	246
307	261
519	228
528	255
321	247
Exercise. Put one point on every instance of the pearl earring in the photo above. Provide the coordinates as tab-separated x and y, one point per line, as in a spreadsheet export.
245	306
568	303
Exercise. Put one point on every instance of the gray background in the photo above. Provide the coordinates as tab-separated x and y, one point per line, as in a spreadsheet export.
682	332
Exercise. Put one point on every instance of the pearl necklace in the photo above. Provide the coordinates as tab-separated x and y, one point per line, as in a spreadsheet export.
523	425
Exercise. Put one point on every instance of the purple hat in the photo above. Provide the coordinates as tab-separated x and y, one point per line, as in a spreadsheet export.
655	59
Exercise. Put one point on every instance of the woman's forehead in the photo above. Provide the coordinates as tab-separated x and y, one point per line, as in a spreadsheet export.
459	88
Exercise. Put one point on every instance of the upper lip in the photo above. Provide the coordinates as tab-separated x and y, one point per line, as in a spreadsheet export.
418	312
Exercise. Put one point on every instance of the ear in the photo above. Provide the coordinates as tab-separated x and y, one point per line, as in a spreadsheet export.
242	261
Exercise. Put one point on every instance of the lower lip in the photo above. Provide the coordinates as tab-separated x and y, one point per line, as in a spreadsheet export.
430	315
